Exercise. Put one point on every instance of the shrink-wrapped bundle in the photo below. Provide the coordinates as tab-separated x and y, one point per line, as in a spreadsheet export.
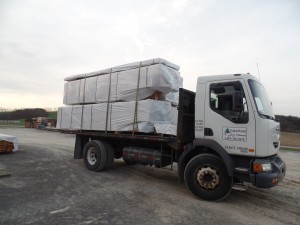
168	128
133	97
120	116
121	83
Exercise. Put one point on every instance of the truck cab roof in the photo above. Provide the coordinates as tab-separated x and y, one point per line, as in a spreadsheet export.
205	79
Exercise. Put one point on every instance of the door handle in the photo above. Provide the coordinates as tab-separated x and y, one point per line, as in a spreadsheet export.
208	132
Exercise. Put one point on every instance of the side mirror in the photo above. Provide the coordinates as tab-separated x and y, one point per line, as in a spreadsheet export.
237	101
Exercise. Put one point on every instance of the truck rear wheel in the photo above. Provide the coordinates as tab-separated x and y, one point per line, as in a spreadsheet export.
206	177
110	155
95	155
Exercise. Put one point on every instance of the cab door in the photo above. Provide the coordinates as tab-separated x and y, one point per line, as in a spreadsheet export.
228	120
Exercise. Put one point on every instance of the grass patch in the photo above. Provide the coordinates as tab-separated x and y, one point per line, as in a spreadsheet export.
289	149
18	123
52	115
290	139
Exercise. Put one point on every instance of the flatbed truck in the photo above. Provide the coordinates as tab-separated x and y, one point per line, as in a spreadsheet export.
227	136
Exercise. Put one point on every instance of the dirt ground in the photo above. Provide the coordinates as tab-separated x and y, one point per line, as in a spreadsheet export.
47	186
290	139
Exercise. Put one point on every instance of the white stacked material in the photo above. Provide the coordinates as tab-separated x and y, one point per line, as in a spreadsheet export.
174	115
156	75
10	138
172	97
120	116
88	96
168	128
124	67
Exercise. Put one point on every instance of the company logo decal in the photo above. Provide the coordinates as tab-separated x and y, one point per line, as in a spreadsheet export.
235	134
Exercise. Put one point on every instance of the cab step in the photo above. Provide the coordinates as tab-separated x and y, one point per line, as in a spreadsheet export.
239	187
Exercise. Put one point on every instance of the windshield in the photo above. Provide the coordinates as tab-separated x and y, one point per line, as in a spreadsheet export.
263	104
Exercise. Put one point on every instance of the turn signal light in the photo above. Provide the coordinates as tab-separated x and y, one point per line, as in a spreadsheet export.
257	168
262	167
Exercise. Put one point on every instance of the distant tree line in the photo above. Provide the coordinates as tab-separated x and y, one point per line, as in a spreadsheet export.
23	114
289	123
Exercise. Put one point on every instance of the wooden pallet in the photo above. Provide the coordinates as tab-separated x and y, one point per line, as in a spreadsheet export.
6	146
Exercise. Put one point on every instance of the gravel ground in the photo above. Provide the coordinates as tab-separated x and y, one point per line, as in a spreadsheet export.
47	186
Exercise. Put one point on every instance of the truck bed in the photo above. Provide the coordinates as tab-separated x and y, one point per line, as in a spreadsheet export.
185	131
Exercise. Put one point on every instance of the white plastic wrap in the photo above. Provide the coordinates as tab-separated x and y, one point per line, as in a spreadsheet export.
124	67
76	117
172	97
123	85
120	116
9	138
170	129
149	111
98	116
64	115
174	115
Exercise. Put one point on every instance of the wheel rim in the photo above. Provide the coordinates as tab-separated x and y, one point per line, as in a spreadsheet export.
208	177
92	156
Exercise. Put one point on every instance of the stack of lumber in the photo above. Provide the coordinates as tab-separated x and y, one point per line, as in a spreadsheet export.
133	96
120	116
8	143
6	146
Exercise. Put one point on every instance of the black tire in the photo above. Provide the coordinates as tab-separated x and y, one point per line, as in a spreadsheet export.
110	155
206	177
95	155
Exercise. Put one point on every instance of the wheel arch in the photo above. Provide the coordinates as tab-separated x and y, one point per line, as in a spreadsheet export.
82	140
201	146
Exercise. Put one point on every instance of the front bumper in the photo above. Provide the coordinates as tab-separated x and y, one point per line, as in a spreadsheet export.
269	179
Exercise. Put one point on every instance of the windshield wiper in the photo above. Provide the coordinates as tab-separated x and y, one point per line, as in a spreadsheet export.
267	116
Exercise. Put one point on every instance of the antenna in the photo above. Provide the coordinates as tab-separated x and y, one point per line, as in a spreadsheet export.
258	71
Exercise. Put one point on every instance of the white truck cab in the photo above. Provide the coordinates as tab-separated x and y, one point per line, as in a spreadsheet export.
233	113
238	114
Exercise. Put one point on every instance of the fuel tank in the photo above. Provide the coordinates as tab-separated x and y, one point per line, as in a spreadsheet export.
146	156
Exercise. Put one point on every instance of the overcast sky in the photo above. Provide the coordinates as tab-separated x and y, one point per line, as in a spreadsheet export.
42	42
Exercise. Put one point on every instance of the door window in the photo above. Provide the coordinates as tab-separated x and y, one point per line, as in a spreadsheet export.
228	100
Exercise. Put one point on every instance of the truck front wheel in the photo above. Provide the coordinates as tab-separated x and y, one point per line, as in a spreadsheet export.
95	155
206	177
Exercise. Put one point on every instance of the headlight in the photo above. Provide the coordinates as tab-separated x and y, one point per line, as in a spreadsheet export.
262	167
